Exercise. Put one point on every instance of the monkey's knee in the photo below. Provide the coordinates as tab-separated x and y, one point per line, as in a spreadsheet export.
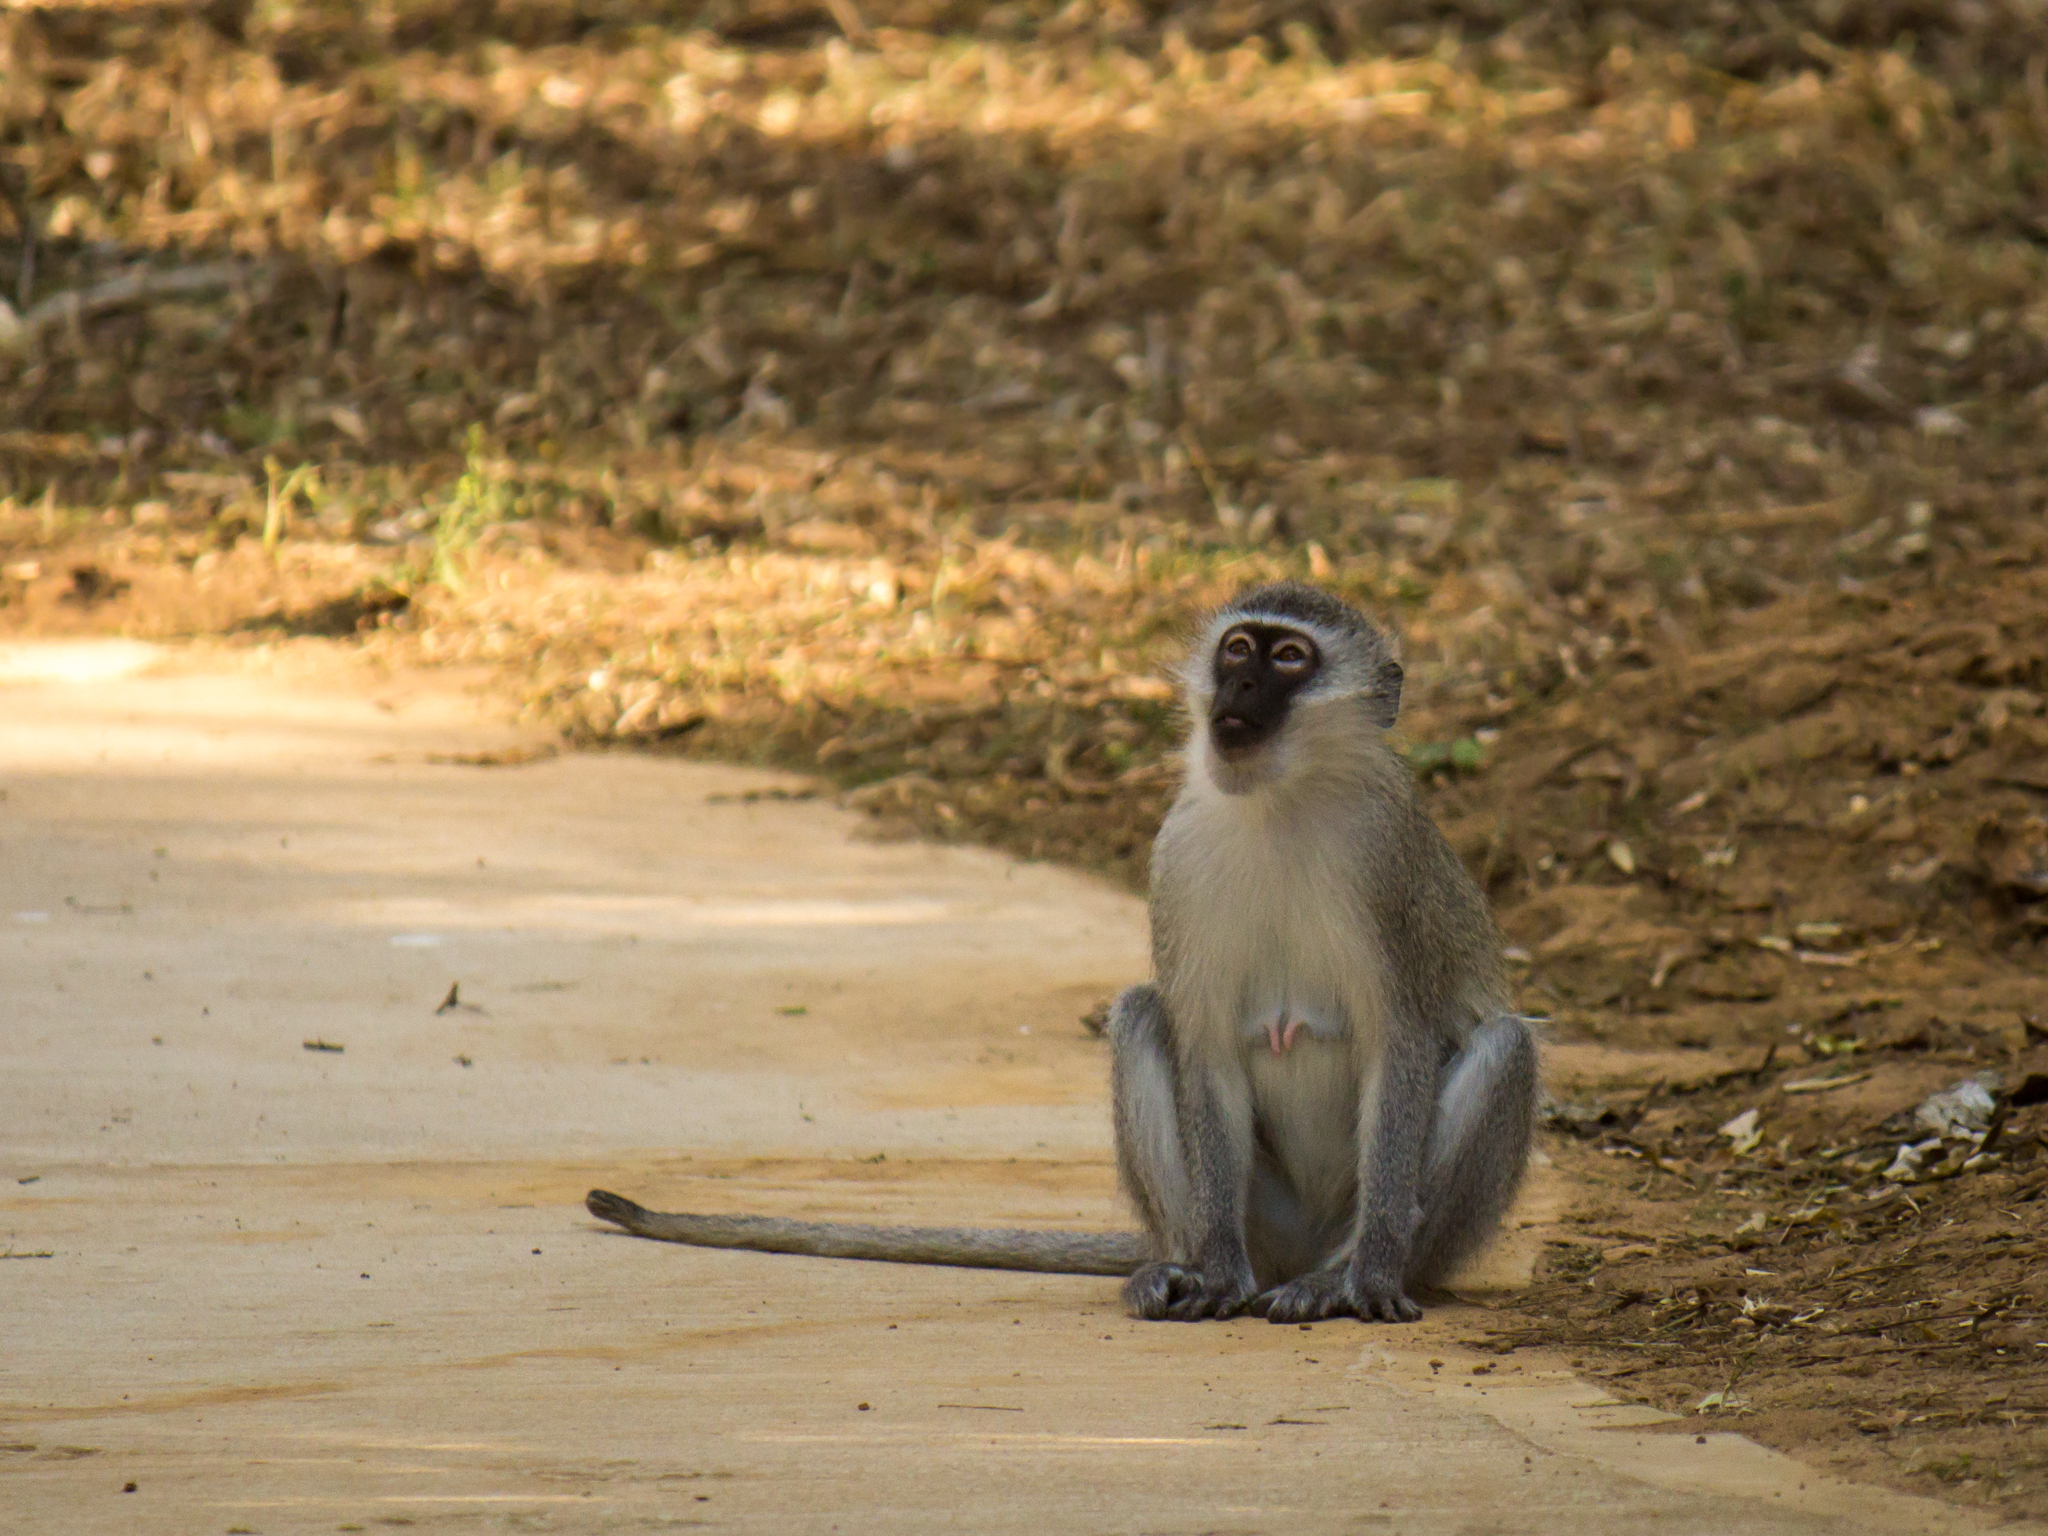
1137	1019
1141	1079
1493	1080
1486	1109
1504	1049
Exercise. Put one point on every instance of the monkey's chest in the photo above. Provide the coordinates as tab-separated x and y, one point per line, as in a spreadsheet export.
1268	945
1289	989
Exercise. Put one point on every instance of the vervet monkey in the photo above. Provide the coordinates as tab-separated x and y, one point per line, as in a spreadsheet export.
1322	1101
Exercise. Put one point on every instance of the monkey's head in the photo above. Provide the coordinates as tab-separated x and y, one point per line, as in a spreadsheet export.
1282	670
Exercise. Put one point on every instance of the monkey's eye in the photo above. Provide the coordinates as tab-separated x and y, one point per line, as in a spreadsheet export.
1292	655
1238	647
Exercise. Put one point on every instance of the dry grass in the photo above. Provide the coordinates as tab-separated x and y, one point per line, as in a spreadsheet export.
881	394
1550	339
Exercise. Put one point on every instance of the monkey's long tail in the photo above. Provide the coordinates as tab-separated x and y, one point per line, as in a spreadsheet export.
1053	1253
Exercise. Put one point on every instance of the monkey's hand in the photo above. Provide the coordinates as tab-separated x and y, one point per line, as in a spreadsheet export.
1185	1295
1342	1292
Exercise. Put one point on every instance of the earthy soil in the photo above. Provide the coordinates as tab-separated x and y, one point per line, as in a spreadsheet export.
885	400
1817	842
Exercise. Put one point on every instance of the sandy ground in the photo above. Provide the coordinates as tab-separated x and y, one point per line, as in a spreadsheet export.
255	1286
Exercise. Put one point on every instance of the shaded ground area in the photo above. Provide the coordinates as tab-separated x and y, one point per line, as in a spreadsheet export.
880	394
1823	838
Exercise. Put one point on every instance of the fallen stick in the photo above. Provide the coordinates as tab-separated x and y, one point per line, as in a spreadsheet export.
15	196
19	332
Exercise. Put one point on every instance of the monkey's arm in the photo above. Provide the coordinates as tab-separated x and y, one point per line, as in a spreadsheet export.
1216	1126
1368	1280
1390	1178
1053	1253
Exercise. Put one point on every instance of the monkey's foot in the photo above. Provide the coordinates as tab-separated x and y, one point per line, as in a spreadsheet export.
1174	1291
1327	1293
1281	1040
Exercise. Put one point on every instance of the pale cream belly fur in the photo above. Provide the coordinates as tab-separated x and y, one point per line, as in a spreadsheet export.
1305	1106
1288	957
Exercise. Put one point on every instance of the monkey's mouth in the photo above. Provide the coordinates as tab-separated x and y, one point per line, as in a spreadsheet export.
1238	735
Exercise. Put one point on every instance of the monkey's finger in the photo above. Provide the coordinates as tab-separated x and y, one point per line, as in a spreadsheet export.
1391	1308
1206	1303
1291	1303
1280	1305
1299	1302
1149	1292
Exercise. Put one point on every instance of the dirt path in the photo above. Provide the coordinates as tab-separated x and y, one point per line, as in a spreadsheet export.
282	1288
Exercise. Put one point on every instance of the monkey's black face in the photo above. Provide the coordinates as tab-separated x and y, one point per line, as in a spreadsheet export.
1259	669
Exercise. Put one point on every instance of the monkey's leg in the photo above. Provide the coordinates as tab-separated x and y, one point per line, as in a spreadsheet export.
1173	1152
1150	1163
1478	1146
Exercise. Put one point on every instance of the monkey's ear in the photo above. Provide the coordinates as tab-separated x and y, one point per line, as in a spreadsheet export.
1386	699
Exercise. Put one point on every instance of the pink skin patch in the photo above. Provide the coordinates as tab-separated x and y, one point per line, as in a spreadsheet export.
1282	1040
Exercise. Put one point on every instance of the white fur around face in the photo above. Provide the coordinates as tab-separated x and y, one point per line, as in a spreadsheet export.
1347	669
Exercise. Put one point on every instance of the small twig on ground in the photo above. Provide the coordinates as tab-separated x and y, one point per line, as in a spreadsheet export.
850	23
130	288
15	195
1218	502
